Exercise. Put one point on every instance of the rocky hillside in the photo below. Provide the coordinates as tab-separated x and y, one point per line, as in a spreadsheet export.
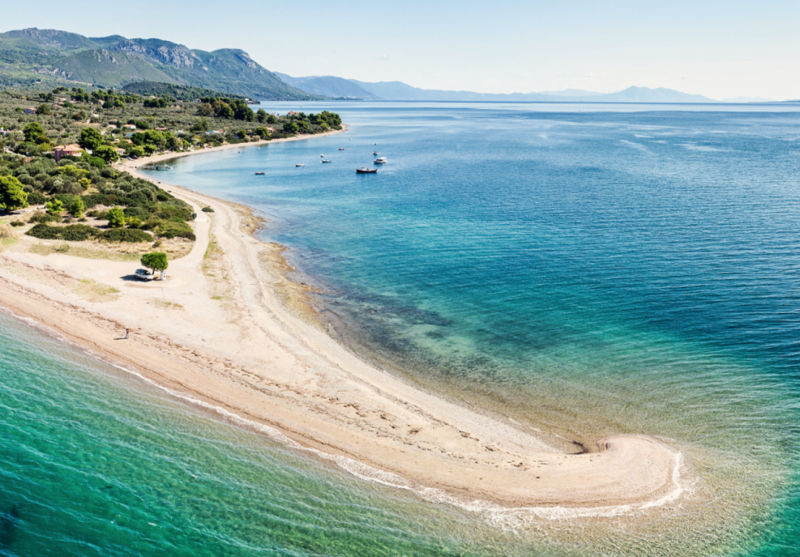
47	56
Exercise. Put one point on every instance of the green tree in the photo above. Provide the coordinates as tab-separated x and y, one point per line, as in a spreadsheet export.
225	111
171	142
155	138
200	126
205	109
76	207
34	133
54	207
241	111
116	217
90	138
107	153
291	127
155	261
135	151
12	194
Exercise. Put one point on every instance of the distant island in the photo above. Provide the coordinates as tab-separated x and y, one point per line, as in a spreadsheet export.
338	87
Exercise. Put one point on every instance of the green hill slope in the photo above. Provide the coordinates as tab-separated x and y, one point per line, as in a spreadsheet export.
48	55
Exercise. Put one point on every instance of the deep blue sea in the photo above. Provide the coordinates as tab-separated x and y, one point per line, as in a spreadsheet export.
591	269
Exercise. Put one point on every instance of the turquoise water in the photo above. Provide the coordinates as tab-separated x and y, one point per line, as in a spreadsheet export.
593	269
96	462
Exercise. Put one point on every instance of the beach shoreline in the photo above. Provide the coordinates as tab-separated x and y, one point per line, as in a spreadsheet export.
219	332
134	164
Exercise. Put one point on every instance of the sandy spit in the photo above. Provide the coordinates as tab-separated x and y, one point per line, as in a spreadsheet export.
220	330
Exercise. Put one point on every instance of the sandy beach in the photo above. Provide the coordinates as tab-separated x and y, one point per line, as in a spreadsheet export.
230	331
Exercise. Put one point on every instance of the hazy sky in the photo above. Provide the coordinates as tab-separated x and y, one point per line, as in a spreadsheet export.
722	49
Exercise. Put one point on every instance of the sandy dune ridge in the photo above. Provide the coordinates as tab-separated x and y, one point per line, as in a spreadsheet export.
219	332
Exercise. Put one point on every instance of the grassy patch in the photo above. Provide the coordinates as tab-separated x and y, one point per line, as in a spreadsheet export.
95	291
7	235
214	269
212	257
166	304
84	250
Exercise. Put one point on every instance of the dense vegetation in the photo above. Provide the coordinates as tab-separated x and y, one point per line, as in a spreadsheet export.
132	125
82	196
170	90
134	210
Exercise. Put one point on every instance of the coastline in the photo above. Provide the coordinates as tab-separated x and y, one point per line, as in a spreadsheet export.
293	382
144	161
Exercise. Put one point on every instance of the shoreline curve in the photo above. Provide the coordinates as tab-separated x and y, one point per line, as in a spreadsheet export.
291	381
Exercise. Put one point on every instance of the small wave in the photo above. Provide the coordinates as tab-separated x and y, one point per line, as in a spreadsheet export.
704	148
635	145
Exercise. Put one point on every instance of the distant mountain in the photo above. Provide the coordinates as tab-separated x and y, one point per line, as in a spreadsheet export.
28	55
648	95
328	86
398	91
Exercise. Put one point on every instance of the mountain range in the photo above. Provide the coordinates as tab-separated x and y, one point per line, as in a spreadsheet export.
43	57
338	87
30	56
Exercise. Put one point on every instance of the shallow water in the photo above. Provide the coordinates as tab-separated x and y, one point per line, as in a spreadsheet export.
98	462
591	269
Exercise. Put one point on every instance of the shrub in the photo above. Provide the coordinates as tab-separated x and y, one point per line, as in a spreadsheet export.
173	228
77	232
136	212
208	209
17	223
36	198
73	232
54	207
116	217
43	217
75	207
44	232
126	235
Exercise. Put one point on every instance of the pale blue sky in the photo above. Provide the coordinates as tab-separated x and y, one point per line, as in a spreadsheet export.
722	49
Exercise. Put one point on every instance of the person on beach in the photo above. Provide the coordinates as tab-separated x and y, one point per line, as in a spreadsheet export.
127	333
